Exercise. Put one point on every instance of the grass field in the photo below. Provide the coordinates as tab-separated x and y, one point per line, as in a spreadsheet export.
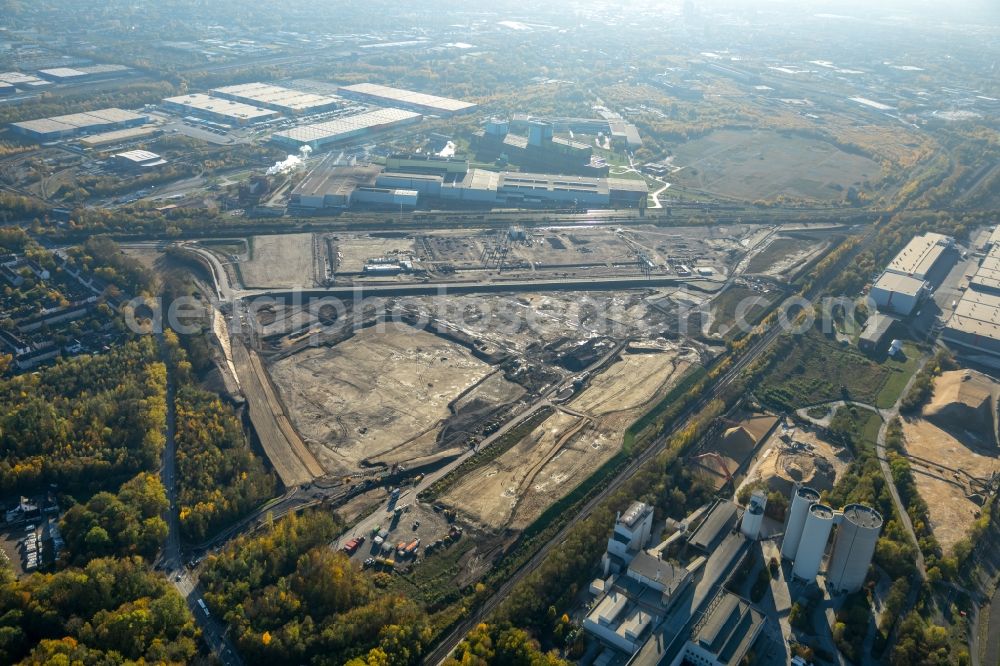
724	309
763	164
813	369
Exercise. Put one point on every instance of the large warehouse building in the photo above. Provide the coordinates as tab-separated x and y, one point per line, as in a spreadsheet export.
898	293
75	124
405	99
920	255
277	98
218	110
975	324
904	283
320	135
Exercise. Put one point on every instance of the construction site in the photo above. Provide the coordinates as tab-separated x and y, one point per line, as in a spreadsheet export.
489	372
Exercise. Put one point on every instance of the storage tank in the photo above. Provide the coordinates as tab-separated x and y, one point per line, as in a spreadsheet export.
802	499
815	534
854	547
754	515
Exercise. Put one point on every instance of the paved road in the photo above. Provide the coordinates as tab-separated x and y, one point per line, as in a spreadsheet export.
171	561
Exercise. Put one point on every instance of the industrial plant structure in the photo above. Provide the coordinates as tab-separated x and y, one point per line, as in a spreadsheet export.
974	326
808	531
322	135
76	124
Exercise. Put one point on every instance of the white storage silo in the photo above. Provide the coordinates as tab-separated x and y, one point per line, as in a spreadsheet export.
753	517
854	547
802	499
812	545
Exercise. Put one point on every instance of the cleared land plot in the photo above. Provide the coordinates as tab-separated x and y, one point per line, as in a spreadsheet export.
290	458
813	370
354	251
746	302
781	255
762	164
280	261
807	459
380	396
951	512
564	450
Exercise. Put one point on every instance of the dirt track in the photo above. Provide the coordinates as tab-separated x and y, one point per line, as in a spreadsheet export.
284	448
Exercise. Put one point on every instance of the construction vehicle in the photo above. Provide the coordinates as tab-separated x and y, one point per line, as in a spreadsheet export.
352	546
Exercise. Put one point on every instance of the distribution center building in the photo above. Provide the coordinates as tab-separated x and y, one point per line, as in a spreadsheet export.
898	293
405	99
920	256
218	110
278	98
74	124
320	135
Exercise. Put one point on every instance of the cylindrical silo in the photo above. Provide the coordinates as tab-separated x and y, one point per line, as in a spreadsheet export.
854	547
753	517
802	499
812	545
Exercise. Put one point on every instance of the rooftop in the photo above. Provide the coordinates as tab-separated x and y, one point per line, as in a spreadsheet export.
223	107
408	96
330	179
876	327
721	519
919	255
977	313
863	516
728	628
669	575
346	126
634	514
900	284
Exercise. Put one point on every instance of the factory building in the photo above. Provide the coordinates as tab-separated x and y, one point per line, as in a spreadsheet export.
877	331
74	124
425	184
539	149
137	160
84	73
854	547
898	293
405	99
218	110
24	81
725	633
858	529
920	256
278	98
330	185
630	534
430	164
340	130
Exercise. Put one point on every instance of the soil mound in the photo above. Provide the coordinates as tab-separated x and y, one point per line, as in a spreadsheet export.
964	401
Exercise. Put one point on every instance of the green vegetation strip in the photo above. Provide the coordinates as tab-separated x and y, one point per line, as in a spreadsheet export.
485	455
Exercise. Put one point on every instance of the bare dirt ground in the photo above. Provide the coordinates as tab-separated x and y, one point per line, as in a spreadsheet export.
280	261
353	251
808	460
284	448
380	396
569	446
495	389
951	511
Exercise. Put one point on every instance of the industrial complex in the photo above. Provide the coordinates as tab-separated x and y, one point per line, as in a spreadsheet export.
332	185
670	603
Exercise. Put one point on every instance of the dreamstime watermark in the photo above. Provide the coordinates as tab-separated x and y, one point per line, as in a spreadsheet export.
311	313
